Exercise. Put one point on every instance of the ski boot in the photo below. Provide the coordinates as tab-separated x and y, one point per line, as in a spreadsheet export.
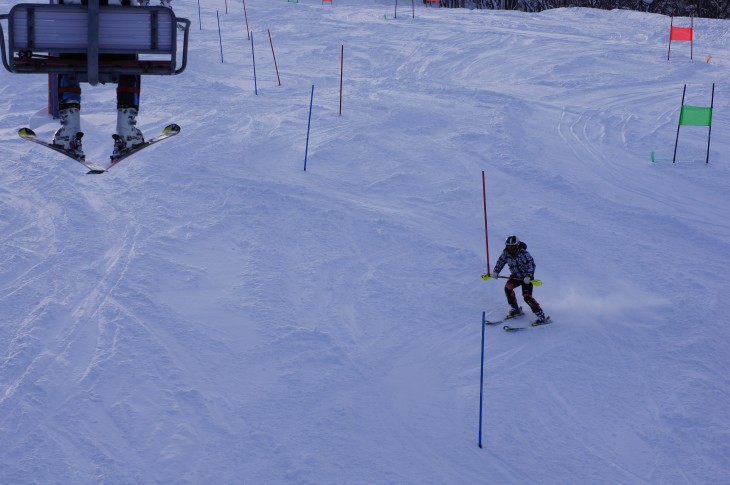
516	311
69	135
128	135
541	319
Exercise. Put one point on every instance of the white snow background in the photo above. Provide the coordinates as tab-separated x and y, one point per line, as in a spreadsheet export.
210	313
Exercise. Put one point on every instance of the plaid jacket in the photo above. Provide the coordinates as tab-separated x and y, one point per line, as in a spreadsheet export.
520	265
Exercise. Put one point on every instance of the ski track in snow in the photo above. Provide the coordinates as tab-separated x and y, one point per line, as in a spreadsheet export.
208	312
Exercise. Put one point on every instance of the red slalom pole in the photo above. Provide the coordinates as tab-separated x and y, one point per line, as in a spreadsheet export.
692	39
486	231
671	24
248	36
273	54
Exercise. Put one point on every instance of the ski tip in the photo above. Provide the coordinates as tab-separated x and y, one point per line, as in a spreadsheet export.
96	171
26	133
172	128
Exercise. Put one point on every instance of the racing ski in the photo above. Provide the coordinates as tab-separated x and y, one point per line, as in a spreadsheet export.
536	323
28	134
507	317
169	131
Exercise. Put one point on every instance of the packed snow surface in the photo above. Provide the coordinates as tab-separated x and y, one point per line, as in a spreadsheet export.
208	312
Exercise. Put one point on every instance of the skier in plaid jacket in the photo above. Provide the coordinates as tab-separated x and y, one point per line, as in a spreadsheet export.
522	272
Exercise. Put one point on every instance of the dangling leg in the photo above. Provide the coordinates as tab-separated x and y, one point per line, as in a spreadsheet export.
69	91
127	135
128	91
69	107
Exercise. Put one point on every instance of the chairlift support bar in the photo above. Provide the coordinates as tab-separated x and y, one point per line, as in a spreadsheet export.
93	33
92	57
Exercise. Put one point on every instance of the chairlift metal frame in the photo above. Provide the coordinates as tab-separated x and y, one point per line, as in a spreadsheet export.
96	43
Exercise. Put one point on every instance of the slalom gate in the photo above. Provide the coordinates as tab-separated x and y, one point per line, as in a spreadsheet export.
681	34
695	116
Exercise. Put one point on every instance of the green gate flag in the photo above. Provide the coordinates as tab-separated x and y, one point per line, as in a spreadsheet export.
695	116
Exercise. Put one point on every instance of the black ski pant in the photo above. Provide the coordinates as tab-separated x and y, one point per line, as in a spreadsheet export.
509	290
128	87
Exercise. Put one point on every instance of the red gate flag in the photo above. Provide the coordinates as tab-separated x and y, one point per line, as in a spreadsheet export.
680	33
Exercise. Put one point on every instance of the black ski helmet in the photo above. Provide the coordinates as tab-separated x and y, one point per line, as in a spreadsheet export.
513	241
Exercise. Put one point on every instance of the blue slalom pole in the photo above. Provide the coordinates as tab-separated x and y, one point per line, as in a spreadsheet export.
481	382
253	57
309	124
220	37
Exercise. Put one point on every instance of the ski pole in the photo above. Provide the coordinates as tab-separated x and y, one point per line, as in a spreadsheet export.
486	277
534	282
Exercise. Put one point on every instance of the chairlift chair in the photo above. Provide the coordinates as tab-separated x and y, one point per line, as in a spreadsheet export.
87	40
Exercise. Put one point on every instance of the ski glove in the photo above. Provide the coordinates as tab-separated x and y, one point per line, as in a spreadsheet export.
527	280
